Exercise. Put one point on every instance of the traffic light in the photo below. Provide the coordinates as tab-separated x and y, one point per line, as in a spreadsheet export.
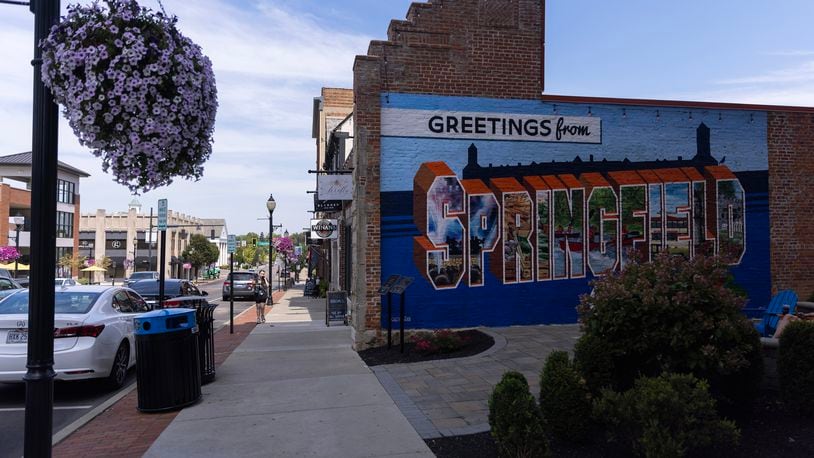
254	241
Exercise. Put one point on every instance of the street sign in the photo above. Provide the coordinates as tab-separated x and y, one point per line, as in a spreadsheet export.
231	244
262	244
162	214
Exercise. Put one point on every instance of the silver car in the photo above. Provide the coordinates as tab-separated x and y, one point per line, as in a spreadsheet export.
93	333
240	285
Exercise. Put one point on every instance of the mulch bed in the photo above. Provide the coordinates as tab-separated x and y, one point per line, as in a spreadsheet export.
474	342
771	430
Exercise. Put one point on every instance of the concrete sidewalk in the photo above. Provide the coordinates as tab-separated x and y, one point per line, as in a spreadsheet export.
293	388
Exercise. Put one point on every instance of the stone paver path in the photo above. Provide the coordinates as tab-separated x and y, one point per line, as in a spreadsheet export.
449	397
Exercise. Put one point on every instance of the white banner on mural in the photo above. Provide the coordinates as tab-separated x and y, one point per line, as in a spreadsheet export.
335	187
324	229
398	122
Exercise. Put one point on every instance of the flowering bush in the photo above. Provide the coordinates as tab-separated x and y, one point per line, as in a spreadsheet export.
440	341
8	253
669	315
135	90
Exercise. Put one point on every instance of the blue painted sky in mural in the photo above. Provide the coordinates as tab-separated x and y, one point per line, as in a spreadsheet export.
636	133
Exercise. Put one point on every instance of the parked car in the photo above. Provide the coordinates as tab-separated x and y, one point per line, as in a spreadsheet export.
23	281
93	333
243	285
64	282
177	293
8	286
136	276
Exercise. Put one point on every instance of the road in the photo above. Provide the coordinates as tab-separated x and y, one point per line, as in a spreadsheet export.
72	400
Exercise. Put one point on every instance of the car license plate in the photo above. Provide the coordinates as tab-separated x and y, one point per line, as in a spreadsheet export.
17	336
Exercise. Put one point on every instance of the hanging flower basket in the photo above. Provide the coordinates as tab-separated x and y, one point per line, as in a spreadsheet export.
8	254
135	90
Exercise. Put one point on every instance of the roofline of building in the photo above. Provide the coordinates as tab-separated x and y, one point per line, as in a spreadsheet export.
673	103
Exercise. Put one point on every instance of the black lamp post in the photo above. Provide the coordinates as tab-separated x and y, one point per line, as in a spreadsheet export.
285	265
19	221
135	248
39	378
270	206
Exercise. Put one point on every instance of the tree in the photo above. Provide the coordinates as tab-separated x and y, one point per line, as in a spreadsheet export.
200	252
72	261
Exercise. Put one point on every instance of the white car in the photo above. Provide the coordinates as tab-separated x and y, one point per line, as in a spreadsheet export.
63	282
93	335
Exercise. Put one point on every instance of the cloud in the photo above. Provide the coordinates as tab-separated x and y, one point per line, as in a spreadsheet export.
792	85
269	61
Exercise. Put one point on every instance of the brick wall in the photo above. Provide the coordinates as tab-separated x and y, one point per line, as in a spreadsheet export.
487	48
791	207
10	197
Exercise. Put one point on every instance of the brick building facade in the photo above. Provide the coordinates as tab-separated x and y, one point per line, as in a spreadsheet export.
459	85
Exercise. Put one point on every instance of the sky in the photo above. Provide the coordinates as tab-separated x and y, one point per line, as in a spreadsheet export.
271	57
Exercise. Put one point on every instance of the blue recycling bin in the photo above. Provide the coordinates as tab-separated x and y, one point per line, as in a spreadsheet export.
168	371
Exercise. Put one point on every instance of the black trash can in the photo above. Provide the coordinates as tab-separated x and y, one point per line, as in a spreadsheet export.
206	341
168	370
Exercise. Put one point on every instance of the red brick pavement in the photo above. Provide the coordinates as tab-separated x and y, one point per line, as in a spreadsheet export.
122	430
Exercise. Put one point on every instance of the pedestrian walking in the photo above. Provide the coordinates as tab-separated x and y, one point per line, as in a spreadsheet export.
261	293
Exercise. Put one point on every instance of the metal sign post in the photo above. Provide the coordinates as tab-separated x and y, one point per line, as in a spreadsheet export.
162	227
399	288
385	289
231	244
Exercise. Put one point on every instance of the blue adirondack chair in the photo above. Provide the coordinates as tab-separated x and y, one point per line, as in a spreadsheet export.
768	325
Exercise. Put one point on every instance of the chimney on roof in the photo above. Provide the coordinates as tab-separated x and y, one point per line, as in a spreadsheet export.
702	141
473	156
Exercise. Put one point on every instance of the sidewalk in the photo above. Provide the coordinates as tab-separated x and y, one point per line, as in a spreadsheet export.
449	397
292	388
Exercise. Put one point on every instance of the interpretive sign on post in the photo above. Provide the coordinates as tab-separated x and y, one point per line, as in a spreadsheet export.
391	281
162	214
401	285
337	306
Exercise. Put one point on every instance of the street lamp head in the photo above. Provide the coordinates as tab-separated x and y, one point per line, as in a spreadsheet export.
271	204
18	221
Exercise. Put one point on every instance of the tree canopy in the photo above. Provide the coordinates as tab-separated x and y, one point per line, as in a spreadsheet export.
200	252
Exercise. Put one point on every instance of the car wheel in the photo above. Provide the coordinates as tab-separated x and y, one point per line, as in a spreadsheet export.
225	298
118	373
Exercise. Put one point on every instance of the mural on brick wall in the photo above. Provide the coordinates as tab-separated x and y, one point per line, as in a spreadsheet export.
515	209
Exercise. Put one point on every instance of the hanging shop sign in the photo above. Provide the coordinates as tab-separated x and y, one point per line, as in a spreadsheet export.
324	229
335	187
398	122
327	205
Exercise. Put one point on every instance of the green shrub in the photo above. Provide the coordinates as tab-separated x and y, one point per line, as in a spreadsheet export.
795	366
669	315
565	401
665	416
595	362
515	418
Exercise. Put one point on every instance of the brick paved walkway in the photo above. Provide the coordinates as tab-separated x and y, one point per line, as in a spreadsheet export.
122	430
449	397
